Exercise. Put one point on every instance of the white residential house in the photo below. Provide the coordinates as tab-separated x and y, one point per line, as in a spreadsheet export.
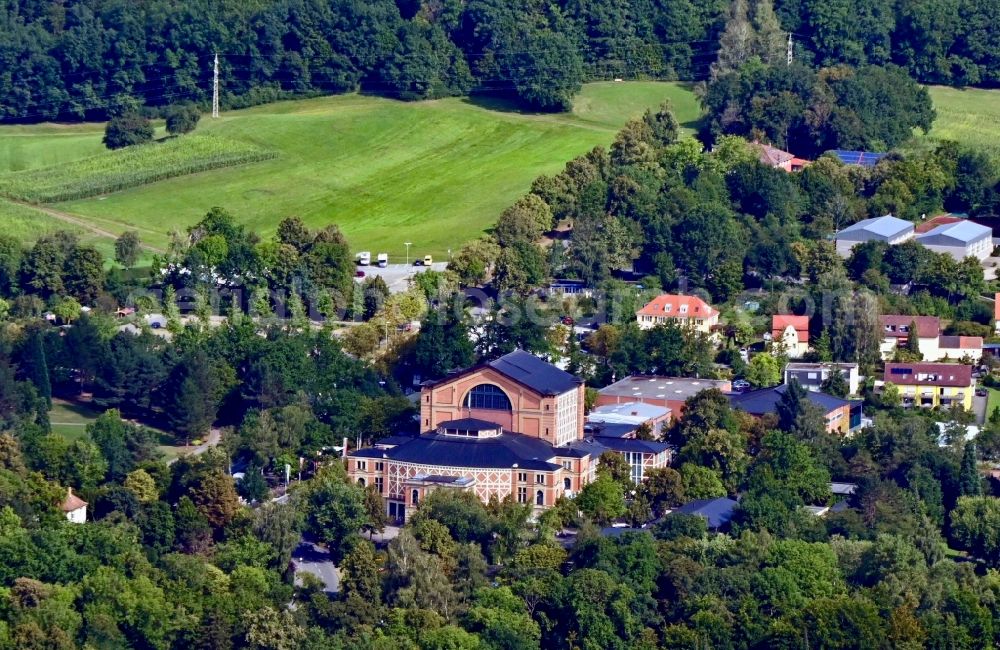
686	311
959	348
790	334
896	332
74	507
812	375
888	229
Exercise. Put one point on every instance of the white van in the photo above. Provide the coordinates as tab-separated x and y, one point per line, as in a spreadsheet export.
364	258
383	259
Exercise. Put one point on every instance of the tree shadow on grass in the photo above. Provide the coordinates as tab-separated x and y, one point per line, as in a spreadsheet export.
502	104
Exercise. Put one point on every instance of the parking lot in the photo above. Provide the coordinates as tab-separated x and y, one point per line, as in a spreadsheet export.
397	276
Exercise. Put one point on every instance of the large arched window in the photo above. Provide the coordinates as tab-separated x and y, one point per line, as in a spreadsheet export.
539	498
488	396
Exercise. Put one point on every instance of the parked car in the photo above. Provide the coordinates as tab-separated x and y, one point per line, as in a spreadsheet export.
428	260
383	259
364	258
359	273
156	321
982	392
741	385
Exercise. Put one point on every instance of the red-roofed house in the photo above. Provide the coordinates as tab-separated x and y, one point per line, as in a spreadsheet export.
74	507
959	348
792	332
684	310
774	157
896	332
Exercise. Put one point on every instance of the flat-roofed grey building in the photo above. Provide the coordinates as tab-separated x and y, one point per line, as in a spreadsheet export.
812	375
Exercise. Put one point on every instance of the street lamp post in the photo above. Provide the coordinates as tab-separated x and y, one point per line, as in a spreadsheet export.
407	244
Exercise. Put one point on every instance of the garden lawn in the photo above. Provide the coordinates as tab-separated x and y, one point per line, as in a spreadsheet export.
70	420
992	401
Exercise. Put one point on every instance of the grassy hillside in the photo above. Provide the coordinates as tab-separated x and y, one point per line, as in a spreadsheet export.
969	116
435	173
28	223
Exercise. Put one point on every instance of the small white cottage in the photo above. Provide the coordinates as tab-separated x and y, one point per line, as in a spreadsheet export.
75	508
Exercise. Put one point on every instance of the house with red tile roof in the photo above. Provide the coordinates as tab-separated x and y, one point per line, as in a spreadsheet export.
74	507
959	348
774	157
688	311
933	345
791	333
896	333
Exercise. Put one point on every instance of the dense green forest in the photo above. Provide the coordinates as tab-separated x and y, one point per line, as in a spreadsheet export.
84	60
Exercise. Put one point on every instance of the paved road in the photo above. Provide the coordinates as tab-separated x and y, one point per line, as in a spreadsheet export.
315	560
979	408
213	439
397	276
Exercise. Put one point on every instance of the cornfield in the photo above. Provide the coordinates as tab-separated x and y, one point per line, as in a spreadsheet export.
114	171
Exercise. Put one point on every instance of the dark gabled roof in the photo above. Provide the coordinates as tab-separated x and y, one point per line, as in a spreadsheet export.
759	402
469	424
609	430
538	375
581	448
503	451
718	511
630	444
598	445
392	441
527	370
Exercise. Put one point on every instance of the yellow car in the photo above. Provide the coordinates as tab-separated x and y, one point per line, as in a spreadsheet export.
428	260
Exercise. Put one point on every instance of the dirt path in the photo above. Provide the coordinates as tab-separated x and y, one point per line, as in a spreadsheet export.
76	220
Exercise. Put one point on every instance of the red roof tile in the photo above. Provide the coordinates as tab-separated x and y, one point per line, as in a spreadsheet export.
934	222
669	305
897	326
72	502
779	322
772	155
929	374
961	342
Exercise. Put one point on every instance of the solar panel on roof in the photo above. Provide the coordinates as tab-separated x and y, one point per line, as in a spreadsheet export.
863	158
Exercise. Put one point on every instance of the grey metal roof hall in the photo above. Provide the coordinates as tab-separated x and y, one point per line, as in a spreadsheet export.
959	233
882	228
